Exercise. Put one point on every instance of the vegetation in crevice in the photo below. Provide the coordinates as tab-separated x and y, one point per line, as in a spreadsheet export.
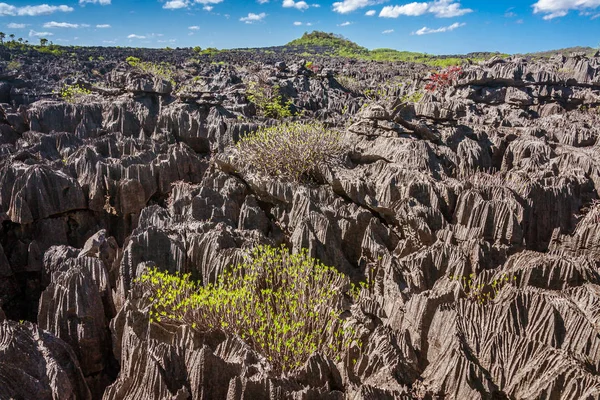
285	306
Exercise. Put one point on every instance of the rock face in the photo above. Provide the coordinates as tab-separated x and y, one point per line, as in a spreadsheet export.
471	211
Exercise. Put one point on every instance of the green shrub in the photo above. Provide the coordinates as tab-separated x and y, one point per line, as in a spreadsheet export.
159	70
74	93
293	150
268	101
285	306
13	65
413	98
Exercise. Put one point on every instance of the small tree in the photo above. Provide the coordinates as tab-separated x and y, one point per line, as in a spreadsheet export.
43	42
2	36
12	37
292	150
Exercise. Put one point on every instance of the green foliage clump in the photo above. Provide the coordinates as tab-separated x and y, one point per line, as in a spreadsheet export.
51	49
159	70
268	101
482	292
13	65
74	93
293	150
285	306
413	98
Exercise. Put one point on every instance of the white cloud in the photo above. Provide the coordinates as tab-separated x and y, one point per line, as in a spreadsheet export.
194	28
262	1
175	4
31	11
54	24
101	2
555	14
252	18
388	31
346	6
103	26
426	31
300	5
12	25
370	13
33	33
439	8
298	23
134	36
207	8
345	23
559	8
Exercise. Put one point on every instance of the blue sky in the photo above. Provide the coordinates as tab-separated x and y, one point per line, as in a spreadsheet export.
435	27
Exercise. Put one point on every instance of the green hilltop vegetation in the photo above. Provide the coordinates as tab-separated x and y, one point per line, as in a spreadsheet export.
322	43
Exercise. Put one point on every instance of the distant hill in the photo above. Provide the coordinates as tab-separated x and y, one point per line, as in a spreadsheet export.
330	44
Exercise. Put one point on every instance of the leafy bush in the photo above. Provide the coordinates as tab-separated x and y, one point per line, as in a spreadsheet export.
74	93
13	65
285	306
160	70
268	101
444	79
413	98
292	150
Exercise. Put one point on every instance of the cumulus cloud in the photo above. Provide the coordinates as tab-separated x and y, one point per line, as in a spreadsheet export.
33	33
345	23
370	13
101	2
300	5
559	8
439	8
252	18
134	36
31	11
426	31
103	26
175	4
388	31
194	28
12	25
54	24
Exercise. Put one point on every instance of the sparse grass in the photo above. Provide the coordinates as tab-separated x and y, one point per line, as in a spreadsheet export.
292	150
285	306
